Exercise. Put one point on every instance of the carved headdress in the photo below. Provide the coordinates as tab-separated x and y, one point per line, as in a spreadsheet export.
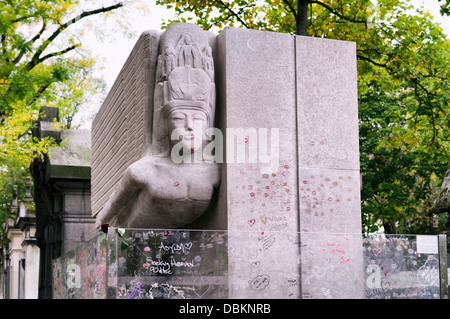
184	79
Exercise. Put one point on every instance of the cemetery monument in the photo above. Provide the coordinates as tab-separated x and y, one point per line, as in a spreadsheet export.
250	132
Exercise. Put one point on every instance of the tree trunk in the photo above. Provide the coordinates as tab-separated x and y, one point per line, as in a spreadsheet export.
389	228
302	16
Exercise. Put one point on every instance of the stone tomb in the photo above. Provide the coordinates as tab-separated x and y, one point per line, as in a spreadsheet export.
285	166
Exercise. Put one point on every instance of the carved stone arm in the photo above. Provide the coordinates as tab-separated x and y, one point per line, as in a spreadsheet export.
127	187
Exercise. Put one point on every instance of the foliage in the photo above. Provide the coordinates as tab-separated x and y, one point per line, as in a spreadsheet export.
43	63
403	87
445	7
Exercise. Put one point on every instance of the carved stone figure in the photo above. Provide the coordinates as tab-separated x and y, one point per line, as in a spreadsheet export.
158	191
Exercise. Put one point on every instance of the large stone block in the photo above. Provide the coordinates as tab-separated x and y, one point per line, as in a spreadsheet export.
257	85
327	103
328	167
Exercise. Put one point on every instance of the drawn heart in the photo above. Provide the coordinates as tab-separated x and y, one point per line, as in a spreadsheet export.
251	222
200	287
376	251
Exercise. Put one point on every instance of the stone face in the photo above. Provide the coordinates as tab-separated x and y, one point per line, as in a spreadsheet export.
172	185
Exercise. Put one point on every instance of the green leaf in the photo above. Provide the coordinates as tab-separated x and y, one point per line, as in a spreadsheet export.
124	244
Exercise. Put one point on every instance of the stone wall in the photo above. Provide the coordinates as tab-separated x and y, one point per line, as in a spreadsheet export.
121	131
257	87
328	167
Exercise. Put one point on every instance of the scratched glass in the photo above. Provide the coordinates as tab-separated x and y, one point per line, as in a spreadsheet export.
194	264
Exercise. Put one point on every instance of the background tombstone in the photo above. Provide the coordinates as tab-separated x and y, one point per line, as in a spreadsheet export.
62	189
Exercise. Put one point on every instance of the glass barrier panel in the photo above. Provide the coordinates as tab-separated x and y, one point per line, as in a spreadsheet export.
205	264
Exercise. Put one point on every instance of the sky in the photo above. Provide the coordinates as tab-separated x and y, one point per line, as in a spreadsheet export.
114	52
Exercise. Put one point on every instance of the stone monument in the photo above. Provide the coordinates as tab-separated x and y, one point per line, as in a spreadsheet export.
283	179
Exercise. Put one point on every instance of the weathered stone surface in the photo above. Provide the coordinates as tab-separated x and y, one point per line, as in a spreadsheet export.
328	168
73	158
62	189
329	200
327	103
257	72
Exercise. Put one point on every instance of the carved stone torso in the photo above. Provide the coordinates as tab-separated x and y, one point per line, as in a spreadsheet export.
175	195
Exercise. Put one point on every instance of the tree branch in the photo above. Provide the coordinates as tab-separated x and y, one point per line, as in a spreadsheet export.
36	57
233	13
337	13
373	62
3	41
291	9
22	18
302	17
34	39
50	55
38	93
230	15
